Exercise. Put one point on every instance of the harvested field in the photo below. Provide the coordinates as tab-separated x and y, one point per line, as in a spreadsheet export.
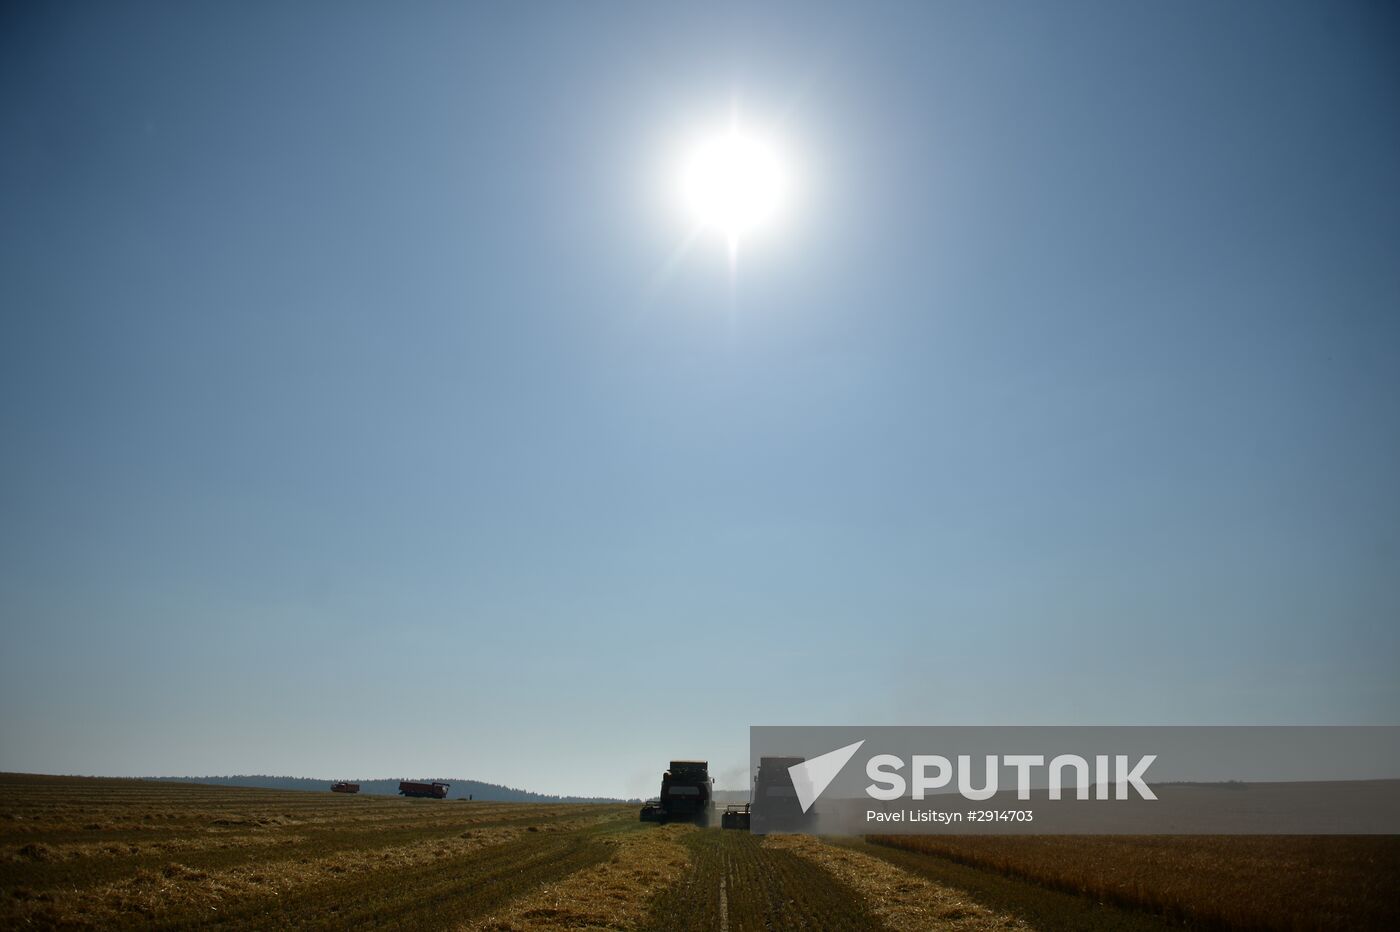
735	882
81	853
612	895
85	853
1224	882
903	902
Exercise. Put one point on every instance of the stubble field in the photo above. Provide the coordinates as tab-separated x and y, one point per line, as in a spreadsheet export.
93	853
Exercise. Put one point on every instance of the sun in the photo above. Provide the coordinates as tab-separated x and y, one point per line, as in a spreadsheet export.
734	183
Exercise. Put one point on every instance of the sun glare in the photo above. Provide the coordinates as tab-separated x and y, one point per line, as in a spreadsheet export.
734	183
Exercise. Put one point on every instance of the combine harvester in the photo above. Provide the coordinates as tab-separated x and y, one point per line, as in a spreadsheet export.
687	794
774	797
424	790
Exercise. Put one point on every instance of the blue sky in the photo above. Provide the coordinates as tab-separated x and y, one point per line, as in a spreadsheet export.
362	414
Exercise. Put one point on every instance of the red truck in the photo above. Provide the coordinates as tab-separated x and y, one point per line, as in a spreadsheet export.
429	790
343	787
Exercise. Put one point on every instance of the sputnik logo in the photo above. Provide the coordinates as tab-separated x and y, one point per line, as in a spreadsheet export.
811	778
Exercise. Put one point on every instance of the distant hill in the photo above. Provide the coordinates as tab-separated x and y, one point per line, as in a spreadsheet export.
461	789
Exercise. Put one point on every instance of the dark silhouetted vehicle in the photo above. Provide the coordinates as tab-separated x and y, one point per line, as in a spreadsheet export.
343	787
429	790
687	794
735	816
775	803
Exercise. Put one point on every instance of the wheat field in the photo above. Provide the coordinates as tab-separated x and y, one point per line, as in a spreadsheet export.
86	853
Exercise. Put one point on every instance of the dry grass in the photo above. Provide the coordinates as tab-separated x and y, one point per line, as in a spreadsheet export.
176	889
613	895
78	853
39	851
1227	882
902	901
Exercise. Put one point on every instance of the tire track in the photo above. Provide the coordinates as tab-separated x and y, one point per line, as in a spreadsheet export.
723	906
734	884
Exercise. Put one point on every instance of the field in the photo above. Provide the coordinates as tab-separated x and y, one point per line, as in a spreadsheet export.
1217	882
90	853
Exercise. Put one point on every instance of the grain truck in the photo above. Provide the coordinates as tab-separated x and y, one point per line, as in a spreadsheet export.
429	790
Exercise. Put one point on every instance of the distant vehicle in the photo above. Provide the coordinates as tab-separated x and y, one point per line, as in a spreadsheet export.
774	797
428	790
343	787
687	794
735	816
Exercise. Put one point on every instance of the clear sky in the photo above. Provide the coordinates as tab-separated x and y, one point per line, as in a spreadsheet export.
362	414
